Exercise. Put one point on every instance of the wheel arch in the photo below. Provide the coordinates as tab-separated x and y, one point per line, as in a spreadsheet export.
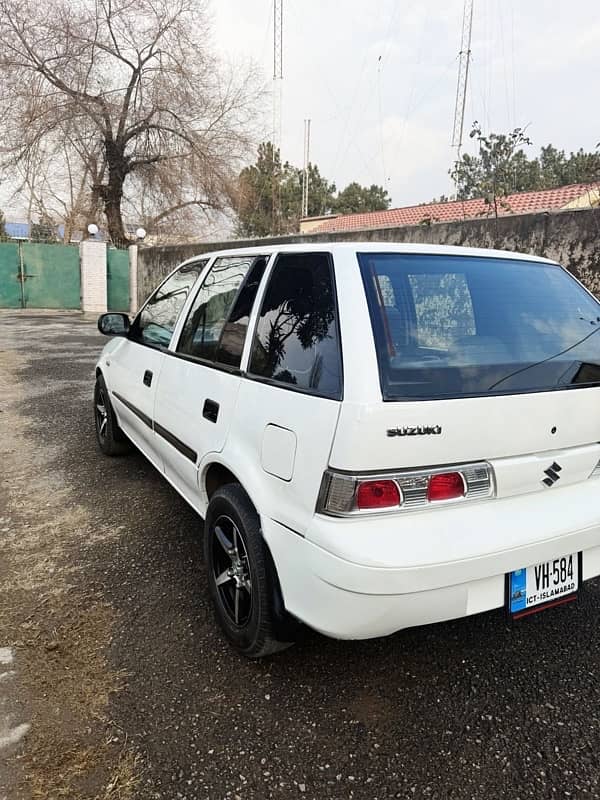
216	473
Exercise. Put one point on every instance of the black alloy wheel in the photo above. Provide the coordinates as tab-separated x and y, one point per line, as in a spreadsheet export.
111	439
101	414
231	571
242	579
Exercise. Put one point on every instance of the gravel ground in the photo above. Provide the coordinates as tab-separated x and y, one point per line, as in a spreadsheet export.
157	705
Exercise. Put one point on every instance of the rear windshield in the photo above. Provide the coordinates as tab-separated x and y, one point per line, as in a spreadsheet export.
456	326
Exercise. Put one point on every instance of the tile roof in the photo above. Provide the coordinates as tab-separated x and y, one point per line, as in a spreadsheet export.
520	203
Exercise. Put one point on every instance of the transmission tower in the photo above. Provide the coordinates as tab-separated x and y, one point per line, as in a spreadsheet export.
305	172
464	57
277	102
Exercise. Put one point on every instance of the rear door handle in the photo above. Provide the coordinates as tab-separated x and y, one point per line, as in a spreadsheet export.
210	410
147	378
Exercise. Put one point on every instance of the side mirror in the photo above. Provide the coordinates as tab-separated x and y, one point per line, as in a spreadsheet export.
113	324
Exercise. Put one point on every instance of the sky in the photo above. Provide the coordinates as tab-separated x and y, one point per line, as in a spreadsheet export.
378	80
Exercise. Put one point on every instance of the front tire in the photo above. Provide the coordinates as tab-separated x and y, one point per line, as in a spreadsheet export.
241	579
111	439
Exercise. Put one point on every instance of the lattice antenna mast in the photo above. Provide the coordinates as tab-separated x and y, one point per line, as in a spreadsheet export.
463	76
277	102
305	184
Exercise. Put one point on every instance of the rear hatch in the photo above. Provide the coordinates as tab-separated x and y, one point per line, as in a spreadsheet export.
481	359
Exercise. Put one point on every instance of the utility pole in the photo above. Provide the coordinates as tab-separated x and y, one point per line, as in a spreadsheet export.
464	57
306	163
277	103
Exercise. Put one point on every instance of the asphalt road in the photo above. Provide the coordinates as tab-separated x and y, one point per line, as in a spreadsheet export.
470	709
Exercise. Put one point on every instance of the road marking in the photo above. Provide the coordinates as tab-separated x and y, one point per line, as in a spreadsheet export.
7	655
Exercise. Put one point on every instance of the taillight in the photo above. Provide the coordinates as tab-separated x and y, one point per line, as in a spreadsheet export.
377	494
446	486
346	495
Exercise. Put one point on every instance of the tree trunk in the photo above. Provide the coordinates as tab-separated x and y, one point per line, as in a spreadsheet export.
114	219
68	230
112	193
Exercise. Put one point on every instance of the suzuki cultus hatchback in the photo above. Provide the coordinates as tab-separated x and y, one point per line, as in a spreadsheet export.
377	436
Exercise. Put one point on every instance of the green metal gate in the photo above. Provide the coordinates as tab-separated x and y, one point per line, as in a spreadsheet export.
117	274
39	276
51	276
10	276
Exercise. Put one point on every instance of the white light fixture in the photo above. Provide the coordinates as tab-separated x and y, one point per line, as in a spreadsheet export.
141	233
92	229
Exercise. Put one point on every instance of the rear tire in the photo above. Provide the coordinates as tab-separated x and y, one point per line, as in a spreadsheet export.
241	581
111	439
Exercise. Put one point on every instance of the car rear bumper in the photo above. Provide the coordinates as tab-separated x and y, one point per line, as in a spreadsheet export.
411	585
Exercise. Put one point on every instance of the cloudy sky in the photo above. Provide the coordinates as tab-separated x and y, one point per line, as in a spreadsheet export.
378	79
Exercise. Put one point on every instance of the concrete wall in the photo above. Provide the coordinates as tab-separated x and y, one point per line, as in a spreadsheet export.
570	237
93	276
133	278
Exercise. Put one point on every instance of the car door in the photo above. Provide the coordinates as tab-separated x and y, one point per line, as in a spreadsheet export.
200	377
135	365
289	398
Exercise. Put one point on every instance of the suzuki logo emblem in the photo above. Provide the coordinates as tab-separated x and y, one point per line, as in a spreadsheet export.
415	430
552	473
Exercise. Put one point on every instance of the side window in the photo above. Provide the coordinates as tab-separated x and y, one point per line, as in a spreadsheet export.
216	326
156	322
234	333
297	337
443	308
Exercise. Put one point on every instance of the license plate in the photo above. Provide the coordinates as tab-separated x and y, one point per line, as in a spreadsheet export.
542	585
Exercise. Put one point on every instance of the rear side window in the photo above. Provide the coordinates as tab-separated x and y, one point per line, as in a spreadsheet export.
297	336
455	326
155	324
215	329
234	331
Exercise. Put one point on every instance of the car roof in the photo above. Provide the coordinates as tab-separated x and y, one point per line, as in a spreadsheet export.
370	247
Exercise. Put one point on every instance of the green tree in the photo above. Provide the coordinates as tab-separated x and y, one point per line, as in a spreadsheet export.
502	167
256	187
320	195
269	199
499	169
270	195
356	198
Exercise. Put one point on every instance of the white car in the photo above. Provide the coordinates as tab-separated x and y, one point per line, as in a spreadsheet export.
377	436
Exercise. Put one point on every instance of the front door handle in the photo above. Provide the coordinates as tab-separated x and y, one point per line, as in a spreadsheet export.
210	410
147	378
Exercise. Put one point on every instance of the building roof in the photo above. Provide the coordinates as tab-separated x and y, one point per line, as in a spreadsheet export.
455	210
20	230
17	230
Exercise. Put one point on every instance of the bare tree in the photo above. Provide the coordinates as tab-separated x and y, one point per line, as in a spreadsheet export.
133	90
55	177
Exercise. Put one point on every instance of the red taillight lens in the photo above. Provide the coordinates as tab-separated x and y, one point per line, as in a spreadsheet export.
445	486
377	494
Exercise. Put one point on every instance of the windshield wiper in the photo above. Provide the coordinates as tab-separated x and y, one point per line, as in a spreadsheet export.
544	360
